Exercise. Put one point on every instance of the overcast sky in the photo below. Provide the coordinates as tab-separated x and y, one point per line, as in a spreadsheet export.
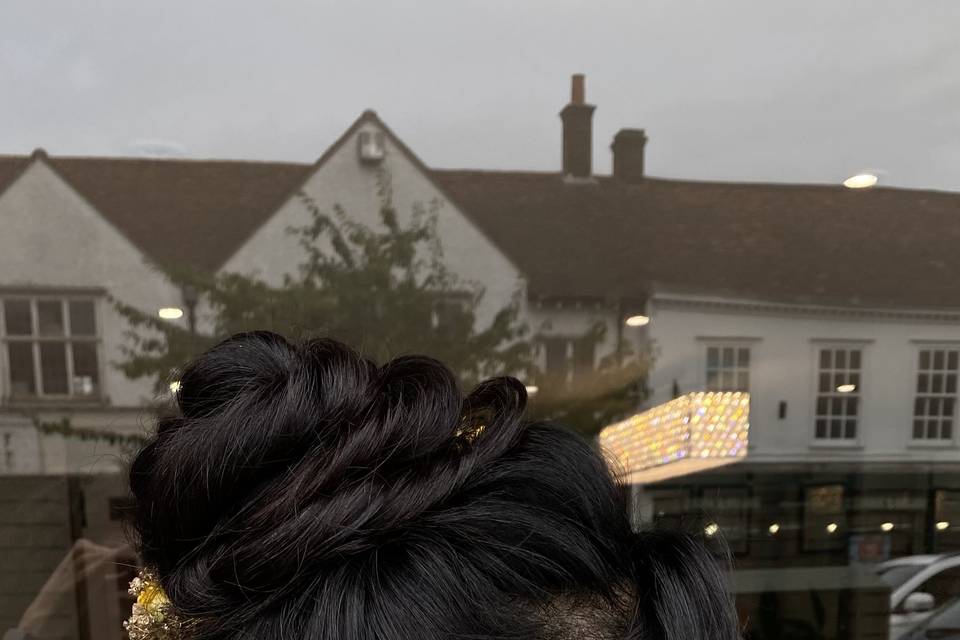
771	90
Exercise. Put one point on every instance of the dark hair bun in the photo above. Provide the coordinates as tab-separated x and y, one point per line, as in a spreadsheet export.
303	492
288	462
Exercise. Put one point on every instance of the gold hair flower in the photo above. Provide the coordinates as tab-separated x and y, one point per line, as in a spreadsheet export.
152	617
466	435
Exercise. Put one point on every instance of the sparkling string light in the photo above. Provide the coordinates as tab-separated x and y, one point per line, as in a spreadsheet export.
694	432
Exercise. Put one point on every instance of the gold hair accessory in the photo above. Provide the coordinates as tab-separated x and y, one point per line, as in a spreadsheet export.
468	433
152	617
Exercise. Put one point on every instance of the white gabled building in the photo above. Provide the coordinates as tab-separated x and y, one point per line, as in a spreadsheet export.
352	174
79	233
60	260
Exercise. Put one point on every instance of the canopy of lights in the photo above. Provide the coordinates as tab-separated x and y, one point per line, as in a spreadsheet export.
692	433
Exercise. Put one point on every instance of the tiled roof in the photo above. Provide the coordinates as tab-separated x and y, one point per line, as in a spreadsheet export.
10	169
183	211
602	239
796	243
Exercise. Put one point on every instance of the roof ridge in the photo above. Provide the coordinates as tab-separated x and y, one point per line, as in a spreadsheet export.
122	158
232	161
690	182
497	171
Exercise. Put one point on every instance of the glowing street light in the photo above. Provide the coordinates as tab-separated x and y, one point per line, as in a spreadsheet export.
637	321
170	313
860	181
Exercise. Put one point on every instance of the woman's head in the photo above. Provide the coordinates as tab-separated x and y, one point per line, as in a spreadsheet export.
302	491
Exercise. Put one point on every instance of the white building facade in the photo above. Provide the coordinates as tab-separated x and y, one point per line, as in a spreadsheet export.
896	370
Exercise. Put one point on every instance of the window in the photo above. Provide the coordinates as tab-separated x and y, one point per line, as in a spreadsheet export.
450	316
370	146
935	404
567	359
582	357
729	509
945	523
556	356
838	393
8	453
728	368
824	519
51	346
670	508
944	586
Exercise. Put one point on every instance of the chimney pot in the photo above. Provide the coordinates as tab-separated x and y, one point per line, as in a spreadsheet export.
577	120
578	89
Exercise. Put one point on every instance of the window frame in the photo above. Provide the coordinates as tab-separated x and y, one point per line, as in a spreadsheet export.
720	343
942	498
740	496
812	539
935	443
570	375
817	345
460	300
35	339
931	575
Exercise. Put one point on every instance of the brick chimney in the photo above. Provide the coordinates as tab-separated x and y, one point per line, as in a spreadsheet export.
628	146
577	120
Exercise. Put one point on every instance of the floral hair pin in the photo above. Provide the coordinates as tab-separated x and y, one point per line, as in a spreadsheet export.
152	617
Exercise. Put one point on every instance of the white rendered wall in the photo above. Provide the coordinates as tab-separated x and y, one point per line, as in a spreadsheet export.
784	348
344	180
51	238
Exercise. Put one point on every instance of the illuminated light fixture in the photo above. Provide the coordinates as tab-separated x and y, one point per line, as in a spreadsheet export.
943	525
774	528
532	389
711	529
832	527
638	321
695	432
170	313
846	388
886	526
860	181
174	386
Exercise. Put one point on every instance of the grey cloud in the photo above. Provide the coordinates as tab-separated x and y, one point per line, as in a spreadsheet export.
737	90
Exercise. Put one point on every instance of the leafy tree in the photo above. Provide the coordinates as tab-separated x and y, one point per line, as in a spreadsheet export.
593	400
383	289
